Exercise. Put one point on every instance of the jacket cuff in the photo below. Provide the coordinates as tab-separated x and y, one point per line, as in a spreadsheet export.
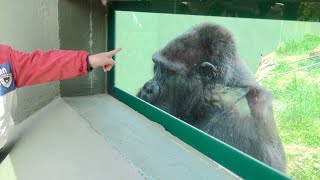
90	68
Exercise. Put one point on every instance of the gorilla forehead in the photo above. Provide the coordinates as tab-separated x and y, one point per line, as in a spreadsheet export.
185	49
205	42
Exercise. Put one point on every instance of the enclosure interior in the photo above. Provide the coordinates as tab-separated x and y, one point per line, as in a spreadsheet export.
283	56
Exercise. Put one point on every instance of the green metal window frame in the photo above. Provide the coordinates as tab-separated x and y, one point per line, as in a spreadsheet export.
234	160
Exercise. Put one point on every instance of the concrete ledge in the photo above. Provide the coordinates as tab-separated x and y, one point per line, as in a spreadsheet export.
155	153
58	144
98	137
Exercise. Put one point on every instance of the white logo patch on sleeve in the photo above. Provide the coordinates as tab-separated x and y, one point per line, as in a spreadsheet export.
6	79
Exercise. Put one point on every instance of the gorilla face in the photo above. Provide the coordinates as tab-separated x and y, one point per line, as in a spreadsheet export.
171	88
187	68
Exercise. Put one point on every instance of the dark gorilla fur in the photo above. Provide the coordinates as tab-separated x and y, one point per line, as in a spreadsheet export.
199	78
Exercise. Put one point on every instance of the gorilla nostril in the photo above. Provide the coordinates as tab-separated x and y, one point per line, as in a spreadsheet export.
149	91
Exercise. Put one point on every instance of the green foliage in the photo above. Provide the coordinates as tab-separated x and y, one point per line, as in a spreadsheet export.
282	66
308	43
306	165
314	69
298	113
309	11
297	107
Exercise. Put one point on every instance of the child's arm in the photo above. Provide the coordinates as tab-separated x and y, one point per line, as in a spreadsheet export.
41	67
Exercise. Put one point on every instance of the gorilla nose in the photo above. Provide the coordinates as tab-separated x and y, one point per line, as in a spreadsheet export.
151	87
149	92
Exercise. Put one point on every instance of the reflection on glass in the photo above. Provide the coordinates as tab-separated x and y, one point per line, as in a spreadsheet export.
251	83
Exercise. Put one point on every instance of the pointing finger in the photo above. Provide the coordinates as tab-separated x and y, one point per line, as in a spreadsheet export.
113	52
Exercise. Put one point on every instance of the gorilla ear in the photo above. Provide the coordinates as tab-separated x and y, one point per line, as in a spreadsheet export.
207	70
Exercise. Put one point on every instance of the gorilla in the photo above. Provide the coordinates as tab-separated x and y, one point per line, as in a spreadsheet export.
199	78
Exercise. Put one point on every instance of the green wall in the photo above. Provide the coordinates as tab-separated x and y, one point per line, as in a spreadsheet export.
141	34
82	27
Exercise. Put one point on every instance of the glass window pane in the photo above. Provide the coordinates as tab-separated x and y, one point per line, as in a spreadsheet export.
252	83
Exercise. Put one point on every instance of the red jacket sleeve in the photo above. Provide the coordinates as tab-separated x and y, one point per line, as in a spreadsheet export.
41	67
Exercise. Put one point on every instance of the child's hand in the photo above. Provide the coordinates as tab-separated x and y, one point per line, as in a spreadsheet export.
103	59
